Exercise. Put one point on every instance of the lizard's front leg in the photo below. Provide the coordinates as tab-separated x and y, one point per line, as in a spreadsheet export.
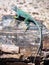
27	24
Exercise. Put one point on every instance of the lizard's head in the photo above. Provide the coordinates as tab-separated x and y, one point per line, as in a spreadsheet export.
14	8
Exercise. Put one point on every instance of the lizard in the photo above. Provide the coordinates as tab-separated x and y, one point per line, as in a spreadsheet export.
27	18
20	14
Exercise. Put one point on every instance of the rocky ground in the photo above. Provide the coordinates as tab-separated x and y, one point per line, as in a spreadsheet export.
39	9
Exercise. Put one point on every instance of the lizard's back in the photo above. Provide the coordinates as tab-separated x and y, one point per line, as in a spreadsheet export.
23	14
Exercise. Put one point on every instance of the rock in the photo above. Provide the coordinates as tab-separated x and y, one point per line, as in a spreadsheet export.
46	23
7	56
9	48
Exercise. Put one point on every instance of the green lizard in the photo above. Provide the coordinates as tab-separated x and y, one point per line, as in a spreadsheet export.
20	14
